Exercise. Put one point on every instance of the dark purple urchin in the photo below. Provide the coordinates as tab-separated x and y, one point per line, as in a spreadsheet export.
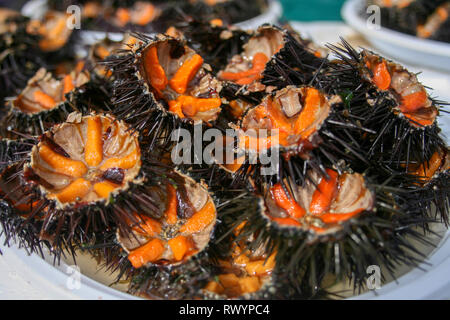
403	141
401	137
192	279
300	62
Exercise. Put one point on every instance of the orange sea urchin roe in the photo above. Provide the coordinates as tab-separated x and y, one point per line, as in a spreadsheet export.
324	202
297	113
242	274
381	76
248	67
186	73
246	77
46	91
190	106
183	230
155	71
53	30
426	170
286	202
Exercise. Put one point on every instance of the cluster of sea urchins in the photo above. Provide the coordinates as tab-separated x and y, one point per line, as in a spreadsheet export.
361	166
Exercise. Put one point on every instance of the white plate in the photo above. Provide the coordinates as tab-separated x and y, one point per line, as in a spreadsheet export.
401	46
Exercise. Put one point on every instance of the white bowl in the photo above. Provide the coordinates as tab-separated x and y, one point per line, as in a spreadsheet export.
401	46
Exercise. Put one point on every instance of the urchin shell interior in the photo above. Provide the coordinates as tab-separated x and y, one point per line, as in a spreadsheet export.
183	229
85	159
248	66
297	114
410	94
44	92
177	76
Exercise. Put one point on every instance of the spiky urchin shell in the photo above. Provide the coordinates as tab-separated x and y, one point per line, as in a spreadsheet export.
216	44
395	141
438	191
85	99
382	236
432	199
12	151
13	232
134	102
